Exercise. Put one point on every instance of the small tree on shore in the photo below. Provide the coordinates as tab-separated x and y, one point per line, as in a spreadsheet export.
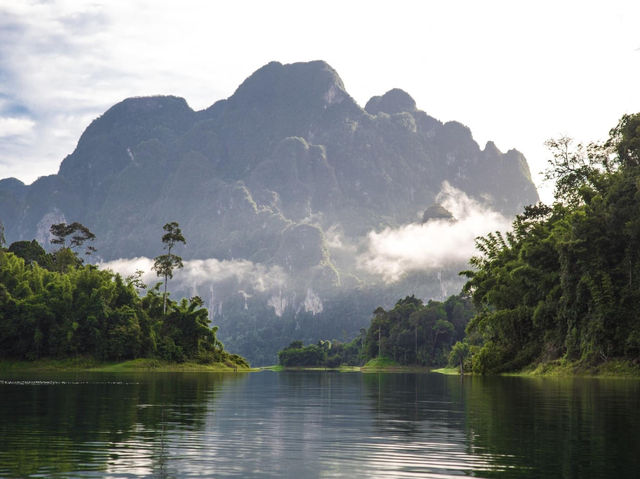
458	354
166	263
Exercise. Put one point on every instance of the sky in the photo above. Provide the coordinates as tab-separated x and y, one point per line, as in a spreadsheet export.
517	73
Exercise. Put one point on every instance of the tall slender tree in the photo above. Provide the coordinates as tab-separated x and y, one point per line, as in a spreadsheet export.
166	263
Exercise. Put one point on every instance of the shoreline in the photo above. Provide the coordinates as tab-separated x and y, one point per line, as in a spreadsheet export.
133	365
613	369
350	369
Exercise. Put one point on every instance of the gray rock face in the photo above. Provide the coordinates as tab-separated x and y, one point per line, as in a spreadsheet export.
264	175
290	139
394	101
437	212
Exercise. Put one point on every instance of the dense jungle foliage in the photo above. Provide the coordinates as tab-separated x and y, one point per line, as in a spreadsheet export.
328	354
64	308
565	282
412	333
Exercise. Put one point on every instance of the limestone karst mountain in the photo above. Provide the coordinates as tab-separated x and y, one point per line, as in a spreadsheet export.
275	175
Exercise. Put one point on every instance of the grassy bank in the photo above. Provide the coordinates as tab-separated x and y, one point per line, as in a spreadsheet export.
448	371
386	365
342	369
377	365
134	365
615	368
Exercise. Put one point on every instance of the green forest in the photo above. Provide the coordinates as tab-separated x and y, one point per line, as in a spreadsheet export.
563	285
412	333
52	305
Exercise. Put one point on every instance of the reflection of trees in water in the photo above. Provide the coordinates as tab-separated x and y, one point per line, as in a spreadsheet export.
521	427
148	425
424	415
68	422
570	428
412	403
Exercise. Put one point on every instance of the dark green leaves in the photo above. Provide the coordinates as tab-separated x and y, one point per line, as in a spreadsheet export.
565	283
164	264
172	236
89	312
78	232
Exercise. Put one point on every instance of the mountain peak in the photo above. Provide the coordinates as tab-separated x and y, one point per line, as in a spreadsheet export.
105	146
394	101
437	212
311	83
491	149
11	183
149	104
139	113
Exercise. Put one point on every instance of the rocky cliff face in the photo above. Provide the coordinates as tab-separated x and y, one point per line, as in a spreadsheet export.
268	175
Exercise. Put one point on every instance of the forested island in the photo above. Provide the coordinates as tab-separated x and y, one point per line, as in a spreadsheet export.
412	333
53	306
560	291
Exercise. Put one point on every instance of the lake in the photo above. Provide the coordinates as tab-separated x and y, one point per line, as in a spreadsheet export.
316	424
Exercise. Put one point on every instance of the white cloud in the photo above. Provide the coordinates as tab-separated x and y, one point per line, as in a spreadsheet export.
257	276
128	266
438	243
336	241
200	274
15	126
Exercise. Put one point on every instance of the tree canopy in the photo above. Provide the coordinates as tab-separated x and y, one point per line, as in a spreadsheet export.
46	312
412	333
565	282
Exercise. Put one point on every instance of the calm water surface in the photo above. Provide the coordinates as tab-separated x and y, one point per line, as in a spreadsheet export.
317	424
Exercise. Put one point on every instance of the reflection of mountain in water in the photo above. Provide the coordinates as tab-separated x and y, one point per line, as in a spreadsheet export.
288	174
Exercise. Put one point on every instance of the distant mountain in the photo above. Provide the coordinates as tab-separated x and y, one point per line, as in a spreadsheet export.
273	175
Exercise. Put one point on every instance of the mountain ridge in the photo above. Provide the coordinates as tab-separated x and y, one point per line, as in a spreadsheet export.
268	175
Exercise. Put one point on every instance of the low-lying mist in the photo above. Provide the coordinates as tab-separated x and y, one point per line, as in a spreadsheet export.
207	275
421	259
261	307
436	244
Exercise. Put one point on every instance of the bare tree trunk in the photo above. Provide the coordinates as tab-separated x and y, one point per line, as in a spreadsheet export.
164	302
166	279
